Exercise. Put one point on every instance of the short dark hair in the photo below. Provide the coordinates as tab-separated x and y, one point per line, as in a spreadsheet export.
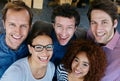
66	10
105	5
39	28
95	55
17	6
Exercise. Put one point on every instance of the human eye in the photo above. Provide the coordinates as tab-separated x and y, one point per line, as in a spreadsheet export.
85	65
38	47
104	22
12	25
75	59
92	23
59	26
49	47
24	26
70	27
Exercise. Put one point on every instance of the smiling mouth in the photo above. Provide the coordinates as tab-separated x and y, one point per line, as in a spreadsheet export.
43	59
100	34
78	72
16	37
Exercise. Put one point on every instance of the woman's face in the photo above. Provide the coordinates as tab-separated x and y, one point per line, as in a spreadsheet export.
80	65
41	50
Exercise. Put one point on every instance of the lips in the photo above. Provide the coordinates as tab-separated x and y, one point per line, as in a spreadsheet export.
78	72
16	37
100	34
63	38
43	59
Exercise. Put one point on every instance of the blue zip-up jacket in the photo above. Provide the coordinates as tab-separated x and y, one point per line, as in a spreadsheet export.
8	56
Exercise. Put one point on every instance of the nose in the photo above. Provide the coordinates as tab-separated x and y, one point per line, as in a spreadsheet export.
99	27
63	32
17	30
78	66
44	51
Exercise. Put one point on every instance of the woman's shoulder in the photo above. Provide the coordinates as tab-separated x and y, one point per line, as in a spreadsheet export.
62	74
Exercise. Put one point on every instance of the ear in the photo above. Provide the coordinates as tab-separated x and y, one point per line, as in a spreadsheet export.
29	48
30	28
76	28
115	23
53	25
3	24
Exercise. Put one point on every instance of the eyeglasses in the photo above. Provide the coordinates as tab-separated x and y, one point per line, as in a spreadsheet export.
39	48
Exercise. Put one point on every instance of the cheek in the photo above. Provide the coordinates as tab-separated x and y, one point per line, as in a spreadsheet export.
93	28
72	65
86	70
50	54
71	33
57	31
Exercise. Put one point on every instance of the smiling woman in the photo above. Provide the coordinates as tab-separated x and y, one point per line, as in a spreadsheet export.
83	62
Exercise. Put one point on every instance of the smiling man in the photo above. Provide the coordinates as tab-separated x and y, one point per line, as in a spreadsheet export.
103	18
17	19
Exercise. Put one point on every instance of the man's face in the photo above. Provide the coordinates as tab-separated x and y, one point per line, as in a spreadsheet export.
64	29
102	26
17	27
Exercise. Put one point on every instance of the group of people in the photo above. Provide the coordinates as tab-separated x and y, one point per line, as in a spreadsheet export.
60	50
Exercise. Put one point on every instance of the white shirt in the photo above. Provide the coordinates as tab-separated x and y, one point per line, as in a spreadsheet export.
20	71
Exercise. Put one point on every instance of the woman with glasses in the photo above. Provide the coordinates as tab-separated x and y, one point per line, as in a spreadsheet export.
83	61
37	66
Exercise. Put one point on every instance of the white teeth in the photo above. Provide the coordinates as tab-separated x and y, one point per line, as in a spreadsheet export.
16	37
100	34
77	72
43	58
63	38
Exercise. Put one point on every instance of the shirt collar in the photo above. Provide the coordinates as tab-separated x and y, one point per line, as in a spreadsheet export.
112	43
6	48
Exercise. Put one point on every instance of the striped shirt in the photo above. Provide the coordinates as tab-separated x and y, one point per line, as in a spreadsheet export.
62	74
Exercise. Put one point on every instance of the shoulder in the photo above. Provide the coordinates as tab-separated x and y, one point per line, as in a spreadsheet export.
60	68
62	74
16	70
51	67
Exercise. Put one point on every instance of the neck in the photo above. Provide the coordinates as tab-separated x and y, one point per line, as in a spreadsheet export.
71	77
38	72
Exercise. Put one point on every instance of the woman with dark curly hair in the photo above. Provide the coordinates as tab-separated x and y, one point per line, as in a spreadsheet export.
83	61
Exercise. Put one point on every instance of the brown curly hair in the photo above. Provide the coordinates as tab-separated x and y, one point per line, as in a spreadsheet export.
95	55
17	6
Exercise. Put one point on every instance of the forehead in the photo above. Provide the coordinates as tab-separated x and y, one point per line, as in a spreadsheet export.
82	56
18	17
100	15
42	39
66	20
21	13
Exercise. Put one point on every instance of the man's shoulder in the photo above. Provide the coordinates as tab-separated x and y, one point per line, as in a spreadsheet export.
80	33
